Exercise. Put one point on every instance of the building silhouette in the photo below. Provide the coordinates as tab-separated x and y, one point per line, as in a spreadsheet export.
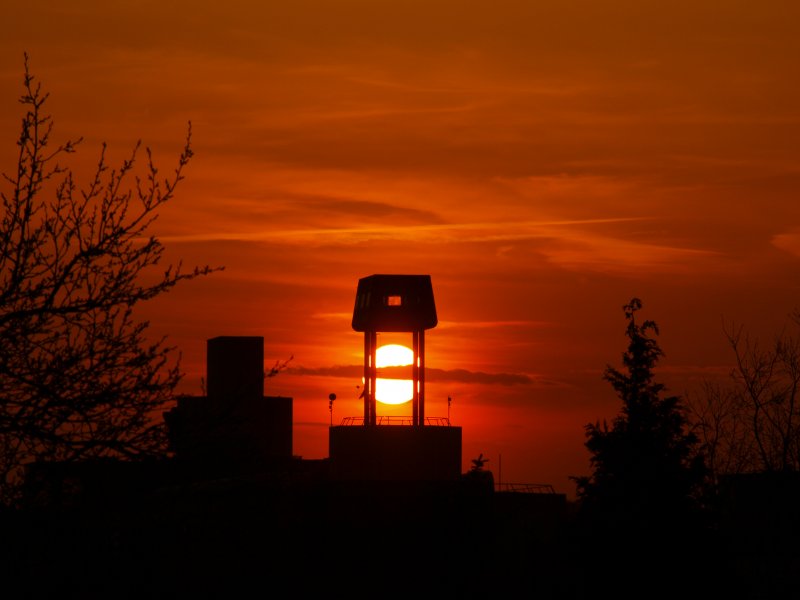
230	511
234	426
231	506
412	449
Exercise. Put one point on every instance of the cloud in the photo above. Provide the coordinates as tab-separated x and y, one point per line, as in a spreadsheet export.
479	377
615	255
440	233
431	375
344	371
565	244
788	242
365	210
462	325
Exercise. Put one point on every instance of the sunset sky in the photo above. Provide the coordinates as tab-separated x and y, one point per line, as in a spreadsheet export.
543	161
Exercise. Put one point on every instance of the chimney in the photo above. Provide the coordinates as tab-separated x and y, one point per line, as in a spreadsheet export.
235	368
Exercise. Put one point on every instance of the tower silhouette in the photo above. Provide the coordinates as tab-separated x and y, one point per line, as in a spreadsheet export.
417	448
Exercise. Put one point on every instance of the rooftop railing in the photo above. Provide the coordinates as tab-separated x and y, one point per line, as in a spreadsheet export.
397	420
525	488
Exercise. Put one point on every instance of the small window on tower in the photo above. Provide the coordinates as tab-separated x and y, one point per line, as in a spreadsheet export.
394	300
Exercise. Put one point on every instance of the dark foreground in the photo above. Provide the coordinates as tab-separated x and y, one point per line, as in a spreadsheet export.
298	535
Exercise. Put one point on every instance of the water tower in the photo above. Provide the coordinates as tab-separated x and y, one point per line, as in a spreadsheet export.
413	447
394	303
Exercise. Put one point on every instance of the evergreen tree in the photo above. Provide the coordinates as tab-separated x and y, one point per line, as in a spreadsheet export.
646	468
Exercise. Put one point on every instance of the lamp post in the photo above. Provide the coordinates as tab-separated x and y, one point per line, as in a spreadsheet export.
331	398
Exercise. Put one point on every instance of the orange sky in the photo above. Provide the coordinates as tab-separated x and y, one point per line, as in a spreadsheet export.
544	162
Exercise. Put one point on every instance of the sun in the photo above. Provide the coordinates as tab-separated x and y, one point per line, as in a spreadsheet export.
392	390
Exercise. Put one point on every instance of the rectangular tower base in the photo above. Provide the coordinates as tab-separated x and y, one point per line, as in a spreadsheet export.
394	453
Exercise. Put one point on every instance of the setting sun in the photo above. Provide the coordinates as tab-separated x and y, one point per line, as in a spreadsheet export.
390	390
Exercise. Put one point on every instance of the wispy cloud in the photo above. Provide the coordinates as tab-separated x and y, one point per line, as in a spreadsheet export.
431	375
492	325
567	244
615	255
788	242
445	232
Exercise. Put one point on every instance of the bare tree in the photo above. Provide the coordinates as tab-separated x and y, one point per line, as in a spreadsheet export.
753	424
79	377
716	415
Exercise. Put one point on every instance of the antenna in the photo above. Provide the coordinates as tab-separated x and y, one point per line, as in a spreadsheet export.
500	472
331	398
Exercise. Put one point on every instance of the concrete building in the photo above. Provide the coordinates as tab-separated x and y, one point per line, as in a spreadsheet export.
234	425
